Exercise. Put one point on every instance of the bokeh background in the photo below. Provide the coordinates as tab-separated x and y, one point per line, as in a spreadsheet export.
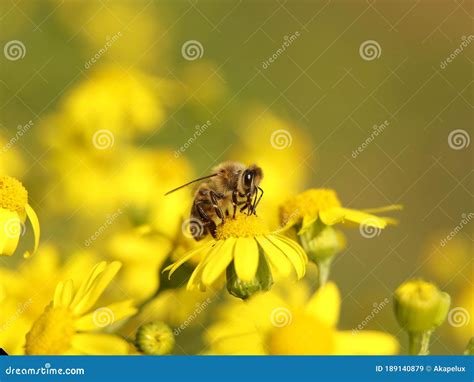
147	75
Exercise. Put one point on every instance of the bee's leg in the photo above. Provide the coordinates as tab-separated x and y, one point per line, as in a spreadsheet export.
257	201
215	199
235	202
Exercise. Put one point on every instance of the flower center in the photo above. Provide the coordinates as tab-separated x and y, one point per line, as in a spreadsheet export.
51	333
308	203
155	338
304	335
13	196
242	226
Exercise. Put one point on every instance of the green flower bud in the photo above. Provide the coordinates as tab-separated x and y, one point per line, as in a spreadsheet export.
262	281
420	306
470	347
155	338
321	242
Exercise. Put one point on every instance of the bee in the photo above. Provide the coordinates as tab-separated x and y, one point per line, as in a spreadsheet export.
232	186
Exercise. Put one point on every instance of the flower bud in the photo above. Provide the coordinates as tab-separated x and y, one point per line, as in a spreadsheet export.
420	306
155	338
321	242
262	281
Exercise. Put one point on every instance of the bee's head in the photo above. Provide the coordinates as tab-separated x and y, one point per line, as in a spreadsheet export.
251	179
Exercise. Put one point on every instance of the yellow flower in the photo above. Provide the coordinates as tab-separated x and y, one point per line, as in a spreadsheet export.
306	208
143	257
277	146
14	210
27	289
289	321
245	251
69	325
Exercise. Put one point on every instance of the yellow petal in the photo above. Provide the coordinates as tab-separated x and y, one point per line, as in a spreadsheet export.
393	207
30	212
276	257
339	214
365	343
86	284
218	261
195	281
296	257
173	267
246	258
96	288
99	344
10	231
325	304
105	316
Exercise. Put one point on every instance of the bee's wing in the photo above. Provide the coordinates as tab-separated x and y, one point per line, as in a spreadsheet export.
191	182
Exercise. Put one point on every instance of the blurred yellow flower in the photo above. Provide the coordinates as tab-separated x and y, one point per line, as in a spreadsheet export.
14	210
461	316
25	291
179	308
123	102
68	326
244	250
142	257
134	181
323	204
280	148
289	321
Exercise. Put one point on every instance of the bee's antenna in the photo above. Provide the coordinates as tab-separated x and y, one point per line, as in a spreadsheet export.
191	182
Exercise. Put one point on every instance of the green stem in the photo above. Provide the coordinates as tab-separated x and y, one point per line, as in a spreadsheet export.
419	343
324	268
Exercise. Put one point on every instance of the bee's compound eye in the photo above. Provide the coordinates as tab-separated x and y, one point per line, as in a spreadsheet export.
248	178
